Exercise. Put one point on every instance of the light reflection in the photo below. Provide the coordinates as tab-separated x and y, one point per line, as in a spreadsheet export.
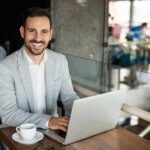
82	2
134	47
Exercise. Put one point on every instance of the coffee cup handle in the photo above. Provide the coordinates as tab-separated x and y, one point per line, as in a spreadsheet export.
18	129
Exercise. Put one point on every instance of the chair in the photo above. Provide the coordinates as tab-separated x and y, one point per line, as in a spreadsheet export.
142	114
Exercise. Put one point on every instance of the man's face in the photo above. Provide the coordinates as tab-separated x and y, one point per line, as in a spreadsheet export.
36	34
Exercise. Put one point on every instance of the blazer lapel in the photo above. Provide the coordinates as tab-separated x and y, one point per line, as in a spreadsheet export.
23	68
49	84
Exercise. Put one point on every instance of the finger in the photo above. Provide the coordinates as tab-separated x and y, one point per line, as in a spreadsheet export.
59	127
55	123
60	121
63	128
64	120
65	124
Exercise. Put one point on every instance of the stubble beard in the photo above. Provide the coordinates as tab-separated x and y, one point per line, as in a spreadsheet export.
34	51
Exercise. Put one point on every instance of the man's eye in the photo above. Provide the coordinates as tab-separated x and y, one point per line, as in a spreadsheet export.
32	31
44	32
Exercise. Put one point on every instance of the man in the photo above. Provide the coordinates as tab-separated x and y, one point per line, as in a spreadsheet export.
32	78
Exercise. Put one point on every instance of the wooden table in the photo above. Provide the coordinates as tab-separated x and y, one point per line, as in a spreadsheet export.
116	139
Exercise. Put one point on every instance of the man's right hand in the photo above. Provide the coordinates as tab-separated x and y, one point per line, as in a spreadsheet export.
58	123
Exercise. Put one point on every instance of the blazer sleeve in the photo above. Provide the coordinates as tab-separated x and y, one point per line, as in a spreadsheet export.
67	93
10	114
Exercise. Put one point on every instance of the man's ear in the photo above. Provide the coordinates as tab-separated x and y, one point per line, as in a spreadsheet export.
22	31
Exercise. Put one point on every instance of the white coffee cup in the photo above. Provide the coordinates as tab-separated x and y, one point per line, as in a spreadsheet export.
27	131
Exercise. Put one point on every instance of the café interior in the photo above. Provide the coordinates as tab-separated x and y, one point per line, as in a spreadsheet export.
106	45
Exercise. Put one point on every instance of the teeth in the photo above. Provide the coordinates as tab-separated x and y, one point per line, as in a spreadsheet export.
37	45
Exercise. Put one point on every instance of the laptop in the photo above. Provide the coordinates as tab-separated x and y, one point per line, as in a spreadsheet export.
91	116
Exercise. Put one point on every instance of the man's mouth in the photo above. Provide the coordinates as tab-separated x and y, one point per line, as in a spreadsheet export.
37	44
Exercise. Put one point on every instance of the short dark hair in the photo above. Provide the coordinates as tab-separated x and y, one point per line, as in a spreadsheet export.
36	12
144	24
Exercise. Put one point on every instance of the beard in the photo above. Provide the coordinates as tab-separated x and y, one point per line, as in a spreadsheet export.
35	50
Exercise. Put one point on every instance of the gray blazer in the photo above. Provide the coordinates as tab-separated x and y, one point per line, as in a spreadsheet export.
16	95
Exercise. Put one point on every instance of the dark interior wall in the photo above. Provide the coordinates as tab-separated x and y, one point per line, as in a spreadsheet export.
10	19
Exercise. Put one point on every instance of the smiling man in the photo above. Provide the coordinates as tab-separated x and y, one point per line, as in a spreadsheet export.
36	32
33	77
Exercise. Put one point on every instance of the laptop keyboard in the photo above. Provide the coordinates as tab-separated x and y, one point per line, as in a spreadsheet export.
61	133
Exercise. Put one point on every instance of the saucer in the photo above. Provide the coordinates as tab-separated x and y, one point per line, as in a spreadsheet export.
39	136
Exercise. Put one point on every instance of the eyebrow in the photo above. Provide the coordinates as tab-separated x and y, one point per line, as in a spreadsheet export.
47	30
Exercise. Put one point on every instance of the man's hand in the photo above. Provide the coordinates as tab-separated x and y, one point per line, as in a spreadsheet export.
58	123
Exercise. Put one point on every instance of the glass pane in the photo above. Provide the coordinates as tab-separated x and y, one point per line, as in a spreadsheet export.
119	17
120	11
141	12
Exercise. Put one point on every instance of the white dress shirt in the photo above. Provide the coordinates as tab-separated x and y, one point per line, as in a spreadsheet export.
37	73
38	83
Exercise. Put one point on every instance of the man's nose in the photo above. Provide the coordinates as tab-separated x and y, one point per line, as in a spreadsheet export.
37	36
